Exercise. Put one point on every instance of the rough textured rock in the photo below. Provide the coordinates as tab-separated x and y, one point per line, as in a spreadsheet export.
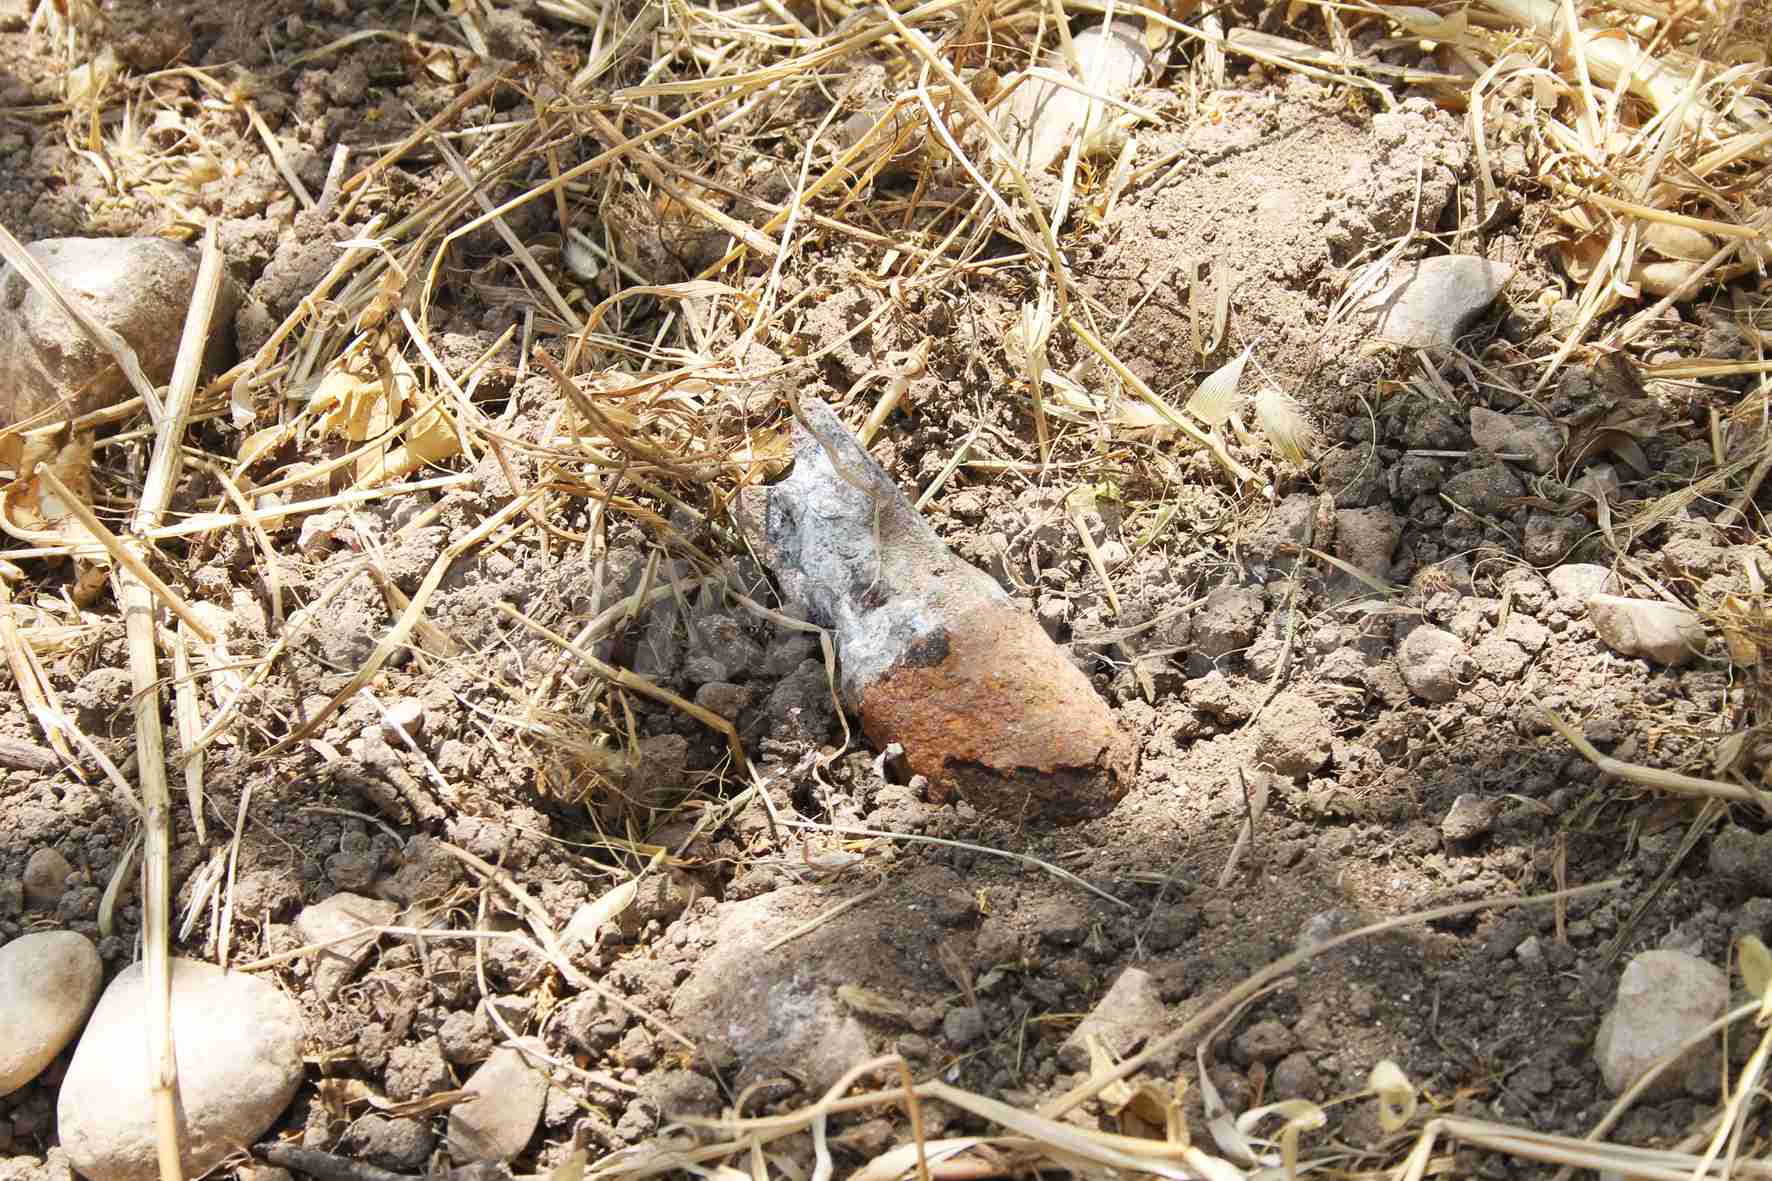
1125	1018
137	287
1470	816
1265	1042
1293	735
1431	662
48	983
1550	537
1539	439
1664	997
1228	620
1486	491
769	1012
239	1043
509	1091
1743	856
1429	304
934	656
1366	538
1657	631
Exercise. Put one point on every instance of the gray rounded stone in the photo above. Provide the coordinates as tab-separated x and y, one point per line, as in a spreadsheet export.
238	1041
1430	661
1664	998
48	983
140	288
1429	304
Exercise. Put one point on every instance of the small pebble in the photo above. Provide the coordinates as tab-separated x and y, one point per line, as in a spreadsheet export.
1657	631
328	922
408	714
1430	660
1470	817
1429	304
1664	997
963	1025
46	878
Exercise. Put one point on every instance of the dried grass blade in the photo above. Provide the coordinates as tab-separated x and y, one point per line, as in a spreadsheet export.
190	724
126	557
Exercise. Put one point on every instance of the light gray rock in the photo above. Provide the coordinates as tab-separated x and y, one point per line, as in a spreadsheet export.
1228	620
1431	661
1577	582
1043	118
1325	925
1743	856
1429	304
1131	1013
329	922
1293	736
46	878
1662	632
239	1044
964	1025
772	1013
48	983
1664	998
140	288
1365	538
1538	439
1470	816
510	1088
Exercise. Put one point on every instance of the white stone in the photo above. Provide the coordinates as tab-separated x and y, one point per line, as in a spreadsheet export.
1044	118
1664	998
510	1089
1577	582
329	922
238	1041
48	983
1131	1013
1431	661
1662	632
1429	304
408	714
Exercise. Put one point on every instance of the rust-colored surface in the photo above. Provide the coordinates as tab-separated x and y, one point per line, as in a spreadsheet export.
993	710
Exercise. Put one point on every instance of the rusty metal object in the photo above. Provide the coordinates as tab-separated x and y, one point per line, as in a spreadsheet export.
933	653
989	708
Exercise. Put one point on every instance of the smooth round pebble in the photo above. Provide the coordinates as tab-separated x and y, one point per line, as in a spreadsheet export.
238	1042
48	982
46	878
